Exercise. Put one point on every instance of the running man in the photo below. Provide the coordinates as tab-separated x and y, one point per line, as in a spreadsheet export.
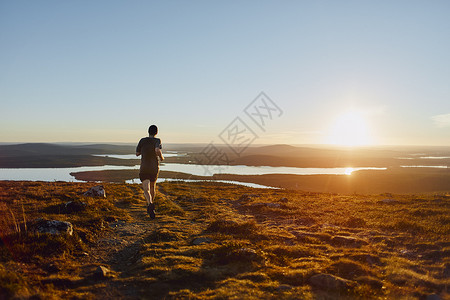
150	149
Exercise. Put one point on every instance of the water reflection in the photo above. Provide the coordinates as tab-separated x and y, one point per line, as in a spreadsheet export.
63	174
248	184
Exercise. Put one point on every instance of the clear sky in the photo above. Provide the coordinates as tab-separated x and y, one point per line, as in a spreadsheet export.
343	72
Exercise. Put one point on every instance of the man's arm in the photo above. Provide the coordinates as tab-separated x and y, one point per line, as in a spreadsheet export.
138	148
159	153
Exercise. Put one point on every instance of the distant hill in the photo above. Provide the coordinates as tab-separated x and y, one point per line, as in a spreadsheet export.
67	155
33	149
45	155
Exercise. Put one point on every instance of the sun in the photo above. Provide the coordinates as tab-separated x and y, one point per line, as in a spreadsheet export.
349	129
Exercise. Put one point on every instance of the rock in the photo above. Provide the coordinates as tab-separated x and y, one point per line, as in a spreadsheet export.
283	200
347	241
329	282
284	287
433	297
54	227
74	206
102	272
96	191
273	205
201	240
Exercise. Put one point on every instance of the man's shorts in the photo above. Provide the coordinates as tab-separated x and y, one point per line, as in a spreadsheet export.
148	176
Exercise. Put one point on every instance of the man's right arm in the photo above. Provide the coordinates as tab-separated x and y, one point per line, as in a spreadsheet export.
138	148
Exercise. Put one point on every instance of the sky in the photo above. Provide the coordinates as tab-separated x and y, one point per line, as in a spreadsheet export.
289	72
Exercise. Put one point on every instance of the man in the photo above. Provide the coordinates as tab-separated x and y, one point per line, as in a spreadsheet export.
150	149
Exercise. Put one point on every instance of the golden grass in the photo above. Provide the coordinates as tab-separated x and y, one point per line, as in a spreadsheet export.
218	241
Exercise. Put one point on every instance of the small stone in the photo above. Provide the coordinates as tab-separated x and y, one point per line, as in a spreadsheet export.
273	205
284	287
103	272
201	240
284	200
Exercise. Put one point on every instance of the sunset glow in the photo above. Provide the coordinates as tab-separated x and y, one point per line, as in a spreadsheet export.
349	129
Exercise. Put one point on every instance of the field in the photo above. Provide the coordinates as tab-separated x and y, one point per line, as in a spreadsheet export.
219	241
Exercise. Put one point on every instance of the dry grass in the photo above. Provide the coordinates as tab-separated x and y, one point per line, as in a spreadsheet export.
218	241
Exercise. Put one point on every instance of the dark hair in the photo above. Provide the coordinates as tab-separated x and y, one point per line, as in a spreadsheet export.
153	130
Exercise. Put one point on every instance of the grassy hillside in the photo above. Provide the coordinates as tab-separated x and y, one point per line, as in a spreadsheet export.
218	241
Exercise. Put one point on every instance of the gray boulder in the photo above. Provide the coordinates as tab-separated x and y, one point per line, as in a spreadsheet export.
96	191
54	227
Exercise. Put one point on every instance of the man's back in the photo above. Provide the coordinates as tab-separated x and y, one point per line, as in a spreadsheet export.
146	147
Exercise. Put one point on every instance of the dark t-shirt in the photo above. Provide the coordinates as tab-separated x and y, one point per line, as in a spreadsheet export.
149	160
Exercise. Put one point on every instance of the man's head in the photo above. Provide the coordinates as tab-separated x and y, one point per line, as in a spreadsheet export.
153	130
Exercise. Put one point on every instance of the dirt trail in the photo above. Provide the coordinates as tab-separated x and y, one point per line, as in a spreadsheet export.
117	246
118	249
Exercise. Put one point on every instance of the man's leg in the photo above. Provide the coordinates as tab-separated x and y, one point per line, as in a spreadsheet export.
151	206
152	190
147	191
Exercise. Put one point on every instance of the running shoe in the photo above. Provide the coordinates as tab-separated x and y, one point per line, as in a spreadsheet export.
151	210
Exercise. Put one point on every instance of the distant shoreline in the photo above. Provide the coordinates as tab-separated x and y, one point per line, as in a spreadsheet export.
394	180
398	181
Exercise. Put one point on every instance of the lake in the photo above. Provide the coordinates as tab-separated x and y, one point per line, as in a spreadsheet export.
63	174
